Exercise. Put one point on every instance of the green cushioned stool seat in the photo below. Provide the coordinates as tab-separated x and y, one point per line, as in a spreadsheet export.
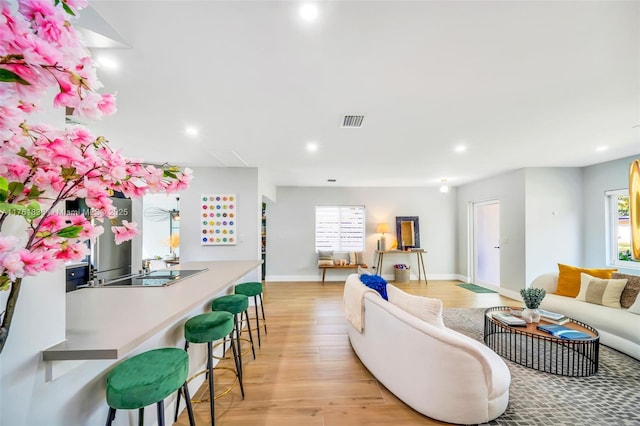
208	327
254	289
248	289
145	379
234	303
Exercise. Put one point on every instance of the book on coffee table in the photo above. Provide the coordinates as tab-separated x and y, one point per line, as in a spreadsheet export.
509	319
553	317
563	332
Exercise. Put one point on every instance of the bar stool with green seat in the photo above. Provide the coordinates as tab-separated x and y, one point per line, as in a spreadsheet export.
236	304
207	328
254	289
145	379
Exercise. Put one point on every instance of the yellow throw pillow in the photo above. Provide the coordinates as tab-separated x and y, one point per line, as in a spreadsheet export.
569	278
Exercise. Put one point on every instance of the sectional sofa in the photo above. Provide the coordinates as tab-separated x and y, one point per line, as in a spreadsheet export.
618	328
437	371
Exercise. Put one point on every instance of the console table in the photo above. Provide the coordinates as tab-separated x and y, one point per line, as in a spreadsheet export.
418	252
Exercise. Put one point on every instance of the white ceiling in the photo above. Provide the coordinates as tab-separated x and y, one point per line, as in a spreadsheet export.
520	83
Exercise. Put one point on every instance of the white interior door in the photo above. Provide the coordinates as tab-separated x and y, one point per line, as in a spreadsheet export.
486	247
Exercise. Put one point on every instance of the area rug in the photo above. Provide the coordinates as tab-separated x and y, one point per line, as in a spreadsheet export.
611	397
475	288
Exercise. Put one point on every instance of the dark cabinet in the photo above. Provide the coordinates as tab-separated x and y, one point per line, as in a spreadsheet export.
76	275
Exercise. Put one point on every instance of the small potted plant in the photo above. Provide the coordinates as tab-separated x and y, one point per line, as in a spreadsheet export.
532	297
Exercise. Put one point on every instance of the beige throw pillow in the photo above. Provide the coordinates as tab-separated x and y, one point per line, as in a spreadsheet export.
634	309
425	308
600	291
631	290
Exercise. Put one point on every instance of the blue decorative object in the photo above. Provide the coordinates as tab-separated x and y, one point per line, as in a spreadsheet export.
377	283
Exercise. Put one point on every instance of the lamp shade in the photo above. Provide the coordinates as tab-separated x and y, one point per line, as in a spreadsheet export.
382	228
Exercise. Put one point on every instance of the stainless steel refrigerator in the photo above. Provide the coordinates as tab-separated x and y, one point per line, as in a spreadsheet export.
108	260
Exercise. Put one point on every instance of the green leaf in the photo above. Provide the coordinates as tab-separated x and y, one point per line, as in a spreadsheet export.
33	210
4	283
4	188
7	76
16	188
69	173
67	9
23	153
172	175
13	209
56	2
71	231
34	192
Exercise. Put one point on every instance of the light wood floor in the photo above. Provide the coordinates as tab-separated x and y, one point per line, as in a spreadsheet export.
306	373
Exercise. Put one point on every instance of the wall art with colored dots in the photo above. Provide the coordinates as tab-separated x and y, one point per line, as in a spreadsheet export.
218	214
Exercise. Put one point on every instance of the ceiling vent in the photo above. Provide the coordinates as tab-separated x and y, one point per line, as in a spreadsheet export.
352	121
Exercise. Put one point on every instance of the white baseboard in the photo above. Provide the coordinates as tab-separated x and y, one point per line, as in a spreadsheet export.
342	278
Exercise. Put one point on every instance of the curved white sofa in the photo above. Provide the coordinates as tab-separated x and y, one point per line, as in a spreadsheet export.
437	371
618	328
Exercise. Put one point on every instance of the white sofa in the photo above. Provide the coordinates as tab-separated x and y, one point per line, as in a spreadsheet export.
437	371
618	328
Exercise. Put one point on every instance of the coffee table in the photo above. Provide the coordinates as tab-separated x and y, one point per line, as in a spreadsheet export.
541	351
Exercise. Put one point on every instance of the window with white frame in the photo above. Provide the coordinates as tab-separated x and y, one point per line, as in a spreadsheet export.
340	228
619	229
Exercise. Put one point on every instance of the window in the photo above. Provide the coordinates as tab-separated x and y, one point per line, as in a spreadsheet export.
340	228
619	235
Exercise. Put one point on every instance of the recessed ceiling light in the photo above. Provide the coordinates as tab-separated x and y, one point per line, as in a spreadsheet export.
308	12
602	148
107	62
312	147
461	148
191	130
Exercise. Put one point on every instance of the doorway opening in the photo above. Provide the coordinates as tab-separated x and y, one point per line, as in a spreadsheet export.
485	246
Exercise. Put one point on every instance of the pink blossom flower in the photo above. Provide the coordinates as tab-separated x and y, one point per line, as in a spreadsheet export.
8	243
72	251
12	265
125	232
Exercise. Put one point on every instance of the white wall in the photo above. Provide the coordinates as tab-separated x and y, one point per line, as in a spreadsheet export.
553	222
243	182
291	224
509	189
596	180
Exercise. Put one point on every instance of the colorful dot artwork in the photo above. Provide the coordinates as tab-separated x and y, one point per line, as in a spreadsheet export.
218	224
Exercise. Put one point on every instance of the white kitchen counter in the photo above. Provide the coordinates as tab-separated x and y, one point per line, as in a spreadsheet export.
108	322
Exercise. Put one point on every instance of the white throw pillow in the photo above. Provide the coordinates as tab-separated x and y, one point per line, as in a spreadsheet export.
634	309
601	291
425	308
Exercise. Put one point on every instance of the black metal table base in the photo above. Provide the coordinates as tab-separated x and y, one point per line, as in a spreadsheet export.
565	357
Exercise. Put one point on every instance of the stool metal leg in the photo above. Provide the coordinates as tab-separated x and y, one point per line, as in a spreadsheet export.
255	305
210	369
246	317
175	417
238	365
111	416
187	397
160	405
264	320
237	333
141	417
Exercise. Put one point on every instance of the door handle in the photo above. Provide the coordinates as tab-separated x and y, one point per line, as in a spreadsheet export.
496	247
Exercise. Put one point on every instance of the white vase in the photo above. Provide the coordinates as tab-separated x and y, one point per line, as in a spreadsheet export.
530	315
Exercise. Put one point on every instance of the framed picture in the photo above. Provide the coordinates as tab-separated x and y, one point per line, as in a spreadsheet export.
218	215
408	232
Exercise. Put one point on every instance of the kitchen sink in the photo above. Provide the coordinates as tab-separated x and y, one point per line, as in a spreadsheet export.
153	279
